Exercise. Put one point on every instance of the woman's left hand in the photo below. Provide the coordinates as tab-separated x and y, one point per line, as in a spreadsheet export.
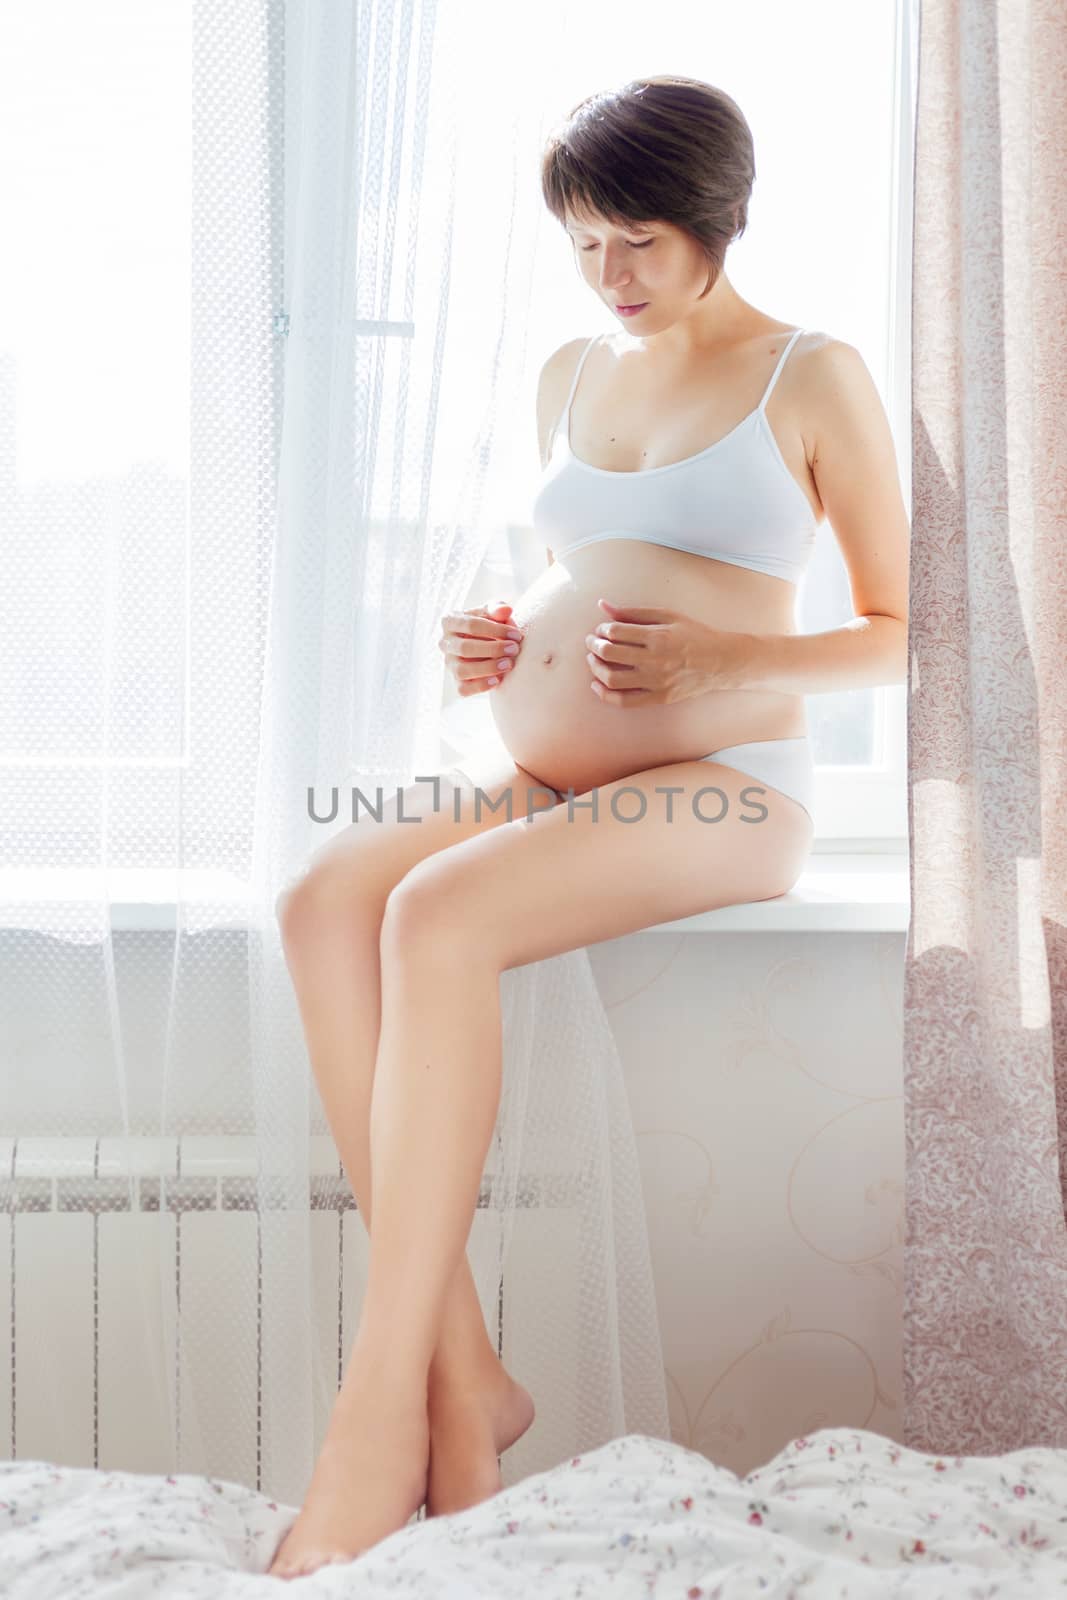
645	655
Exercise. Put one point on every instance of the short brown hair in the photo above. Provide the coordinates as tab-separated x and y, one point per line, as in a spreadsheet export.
666	149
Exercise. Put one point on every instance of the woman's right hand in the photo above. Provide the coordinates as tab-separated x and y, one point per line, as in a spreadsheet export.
475	645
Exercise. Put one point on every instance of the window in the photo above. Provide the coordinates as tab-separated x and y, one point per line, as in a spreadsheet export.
138	358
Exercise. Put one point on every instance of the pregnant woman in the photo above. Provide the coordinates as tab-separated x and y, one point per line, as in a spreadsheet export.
648	690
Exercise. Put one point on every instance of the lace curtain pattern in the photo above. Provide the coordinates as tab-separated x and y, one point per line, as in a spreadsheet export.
194	657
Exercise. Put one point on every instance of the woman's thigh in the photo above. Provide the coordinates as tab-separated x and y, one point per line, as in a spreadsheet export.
397	829
623	857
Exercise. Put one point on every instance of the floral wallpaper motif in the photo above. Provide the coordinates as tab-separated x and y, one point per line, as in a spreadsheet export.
764	1075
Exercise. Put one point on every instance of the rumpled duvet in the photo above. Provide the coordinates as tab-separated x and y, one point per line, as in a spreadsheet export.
842	1513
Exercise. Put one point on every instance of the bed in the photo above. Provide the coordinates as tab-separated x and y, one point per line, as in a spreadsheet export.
842	1513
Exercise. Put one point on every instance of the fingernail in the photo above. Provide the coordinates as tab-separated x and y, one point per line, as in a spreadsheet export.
513	635
502	666
492	680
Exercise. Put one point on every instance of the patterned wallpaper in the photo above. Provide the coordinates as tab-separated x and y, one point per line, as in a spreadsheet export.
765	1077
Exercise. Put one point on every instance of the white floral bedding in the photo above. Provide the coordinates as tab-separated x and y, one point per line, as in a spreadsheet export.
841	1513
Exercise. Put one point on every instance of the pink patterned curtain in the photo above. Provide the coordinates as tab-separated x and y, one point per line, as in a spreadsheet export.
985	998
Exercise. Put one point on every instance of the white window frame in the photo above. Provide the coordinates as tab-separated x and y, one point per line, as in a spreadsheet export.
867	808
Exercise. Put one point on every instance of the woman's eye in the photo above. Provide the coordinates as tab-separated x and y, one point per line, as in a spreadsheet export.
633	246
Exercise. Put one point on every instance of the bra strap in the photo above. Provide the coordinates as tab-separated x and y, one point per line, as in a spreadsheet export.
781	363
565	418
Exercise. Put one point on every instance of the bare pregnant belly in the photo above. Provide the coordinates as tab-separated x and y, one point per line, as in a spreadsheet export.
556	727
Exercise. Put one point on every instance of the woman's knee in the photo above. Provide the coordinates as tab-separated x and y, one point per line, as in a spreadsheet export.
372	869
423	909
328	894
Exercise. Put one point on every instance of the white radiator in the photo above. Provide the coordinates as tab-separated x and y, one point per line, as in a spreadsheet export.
101	1364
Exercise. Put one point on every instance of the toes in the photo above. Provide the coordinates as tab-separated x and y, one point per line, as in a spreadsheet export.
305	1566
312	1563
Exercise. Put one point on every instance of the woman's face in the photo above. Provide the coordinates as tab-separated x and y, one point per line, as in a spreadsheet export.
648	261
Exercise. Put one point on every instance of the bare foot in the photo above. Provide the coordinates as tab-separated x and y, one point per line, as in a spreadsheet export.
369	1479
468	1431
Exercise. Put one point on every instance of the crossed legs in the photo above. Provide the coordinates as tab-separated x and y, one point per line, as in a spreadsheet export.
496	898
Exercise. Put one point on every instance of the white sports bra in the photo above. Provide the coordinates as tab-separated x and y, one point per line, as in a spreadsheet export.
736	501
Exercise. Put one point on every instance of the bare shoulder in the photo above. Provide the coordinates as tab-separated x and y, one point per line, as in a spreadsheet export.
831	390
821	356
564	358
553	385
558	370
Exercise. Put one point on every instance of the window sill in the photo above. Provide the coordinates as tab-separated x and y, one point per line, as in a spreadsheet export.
837	893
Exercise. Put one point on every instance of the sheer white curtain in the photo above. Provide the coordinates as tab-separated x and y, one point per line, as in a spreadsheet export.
186	662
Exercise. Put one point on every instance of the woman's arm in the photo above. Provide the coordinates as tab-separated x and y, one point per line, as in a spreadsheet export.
853	459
